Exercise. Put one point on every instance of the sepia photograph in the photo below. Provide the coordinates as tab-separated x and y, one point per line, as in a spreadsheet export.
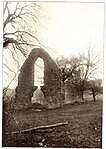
52	92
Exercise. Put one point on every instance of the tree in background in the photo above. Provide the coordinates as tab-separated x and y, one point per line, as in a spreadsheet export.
89	65
71	73
78	70
96	87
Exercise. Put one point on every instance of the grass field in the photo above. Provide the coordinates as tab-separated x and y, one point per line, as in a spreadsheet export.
84	127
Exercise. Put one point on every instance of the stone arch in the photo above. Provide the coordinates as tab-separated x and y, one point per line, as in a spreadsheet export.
52	80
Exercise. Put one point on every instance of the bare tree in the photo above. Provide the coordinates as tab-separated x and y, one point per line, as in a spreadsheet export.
78	70
23	21
19	32
89	66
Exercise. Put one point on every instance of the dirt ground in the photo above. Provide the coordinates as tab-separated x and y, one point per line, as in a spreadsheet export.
84	127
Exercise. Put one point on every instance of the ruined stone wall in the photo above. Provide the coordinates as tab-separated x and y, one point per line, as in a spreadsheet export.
52	80
71	94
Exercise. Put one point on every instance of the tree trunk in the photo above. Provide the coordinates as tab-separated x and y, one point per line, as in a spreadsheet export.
82	95
94	98
93	93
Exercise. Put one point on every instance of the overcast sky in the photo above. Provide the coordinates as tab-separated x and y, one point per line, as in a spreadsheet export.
72	26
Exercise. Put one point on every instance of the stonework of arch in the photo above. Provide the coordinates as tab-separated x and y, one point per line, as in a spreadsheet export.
52	81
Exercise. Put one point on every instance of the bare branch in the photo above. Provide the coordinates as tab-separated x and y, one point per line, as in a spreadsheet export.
6	3
16	60
8	68
12	79
92	71
6	73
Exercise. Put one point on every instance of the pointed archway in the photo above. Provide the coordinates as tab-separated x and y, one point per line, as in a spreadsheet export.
52	80
39	72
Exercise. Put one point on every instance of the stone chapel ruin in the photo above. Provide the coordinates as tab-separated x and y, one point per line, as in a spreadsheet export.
52	81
